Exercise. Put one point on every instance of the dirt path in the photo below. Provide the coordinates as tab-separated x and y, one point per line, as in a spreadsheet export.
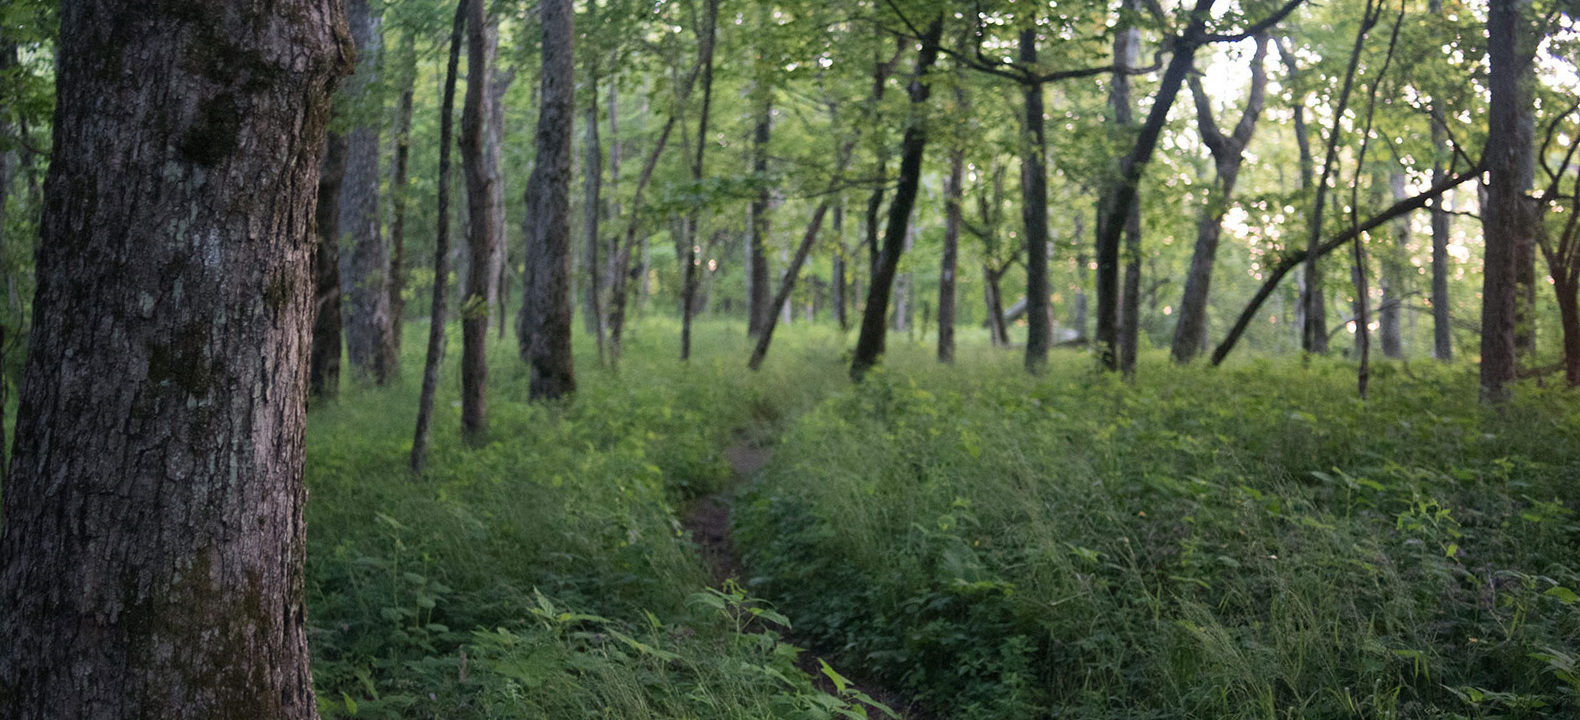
708	520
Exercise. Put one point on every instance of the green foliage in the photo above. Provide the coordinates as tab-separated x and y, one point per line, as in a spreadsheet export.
545	574
1249	542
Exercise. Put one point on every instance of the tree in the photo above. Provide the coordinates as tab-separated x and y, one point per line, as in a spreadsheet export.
441	251
324	370
364	278
1509	166
1228	154
151	562
483	221
870	344
545	326
1034	213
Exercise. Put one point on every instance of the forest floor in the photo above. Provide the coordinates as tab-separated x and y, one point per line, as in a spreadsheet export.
707	521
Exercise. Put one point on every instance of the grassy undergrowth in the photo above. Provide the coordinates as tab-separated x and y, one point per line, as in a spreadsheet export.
1250	542
543	574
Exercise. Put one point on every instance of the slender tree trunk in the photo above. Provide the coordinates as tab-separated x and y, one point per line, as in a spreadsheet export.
1078	307
1311	310
870	344
1509	158
482	228
1391	280
399	188
838	273
949	264
1442	320
546	309
1034	214
592	184
493	157
998	327
705	39
324	366
1127	47
151	556
441	250
793	267
364	272
758	308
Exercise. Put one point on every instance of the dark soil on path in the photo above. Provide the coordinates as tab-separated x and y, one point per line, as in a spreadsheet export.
708	520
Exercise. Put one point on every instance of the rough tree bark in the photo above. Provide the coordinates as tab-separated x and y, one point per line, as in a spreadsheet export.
870	344
1034	213
441	250
151	561
324	370
482	222
1509	163
364	272
1228	153
546	302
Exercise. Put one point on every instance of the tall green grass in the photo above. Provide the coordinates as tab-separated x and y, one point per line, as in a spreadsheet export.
1250	542
544	575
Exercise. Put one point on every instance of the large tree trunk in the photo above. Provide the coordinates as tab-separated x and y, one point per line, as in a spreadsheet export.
482	222
324	370
1442	319
1509	161
1228	151
441	251
364	272
1034	213
546	302
870	344
949	264
399	189
151	561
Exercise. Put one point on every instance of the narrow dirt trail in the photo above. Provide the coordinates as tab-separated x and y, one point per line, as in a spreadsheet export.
708	520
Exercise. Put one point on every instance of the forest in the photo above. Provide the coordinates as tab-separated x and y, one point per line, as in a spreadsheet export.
716	359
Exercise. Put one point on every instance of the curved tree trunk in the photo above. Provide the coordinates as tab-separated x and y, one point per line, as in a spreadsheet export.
870	344
364	272
324	370
151	561
482	228
546	301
